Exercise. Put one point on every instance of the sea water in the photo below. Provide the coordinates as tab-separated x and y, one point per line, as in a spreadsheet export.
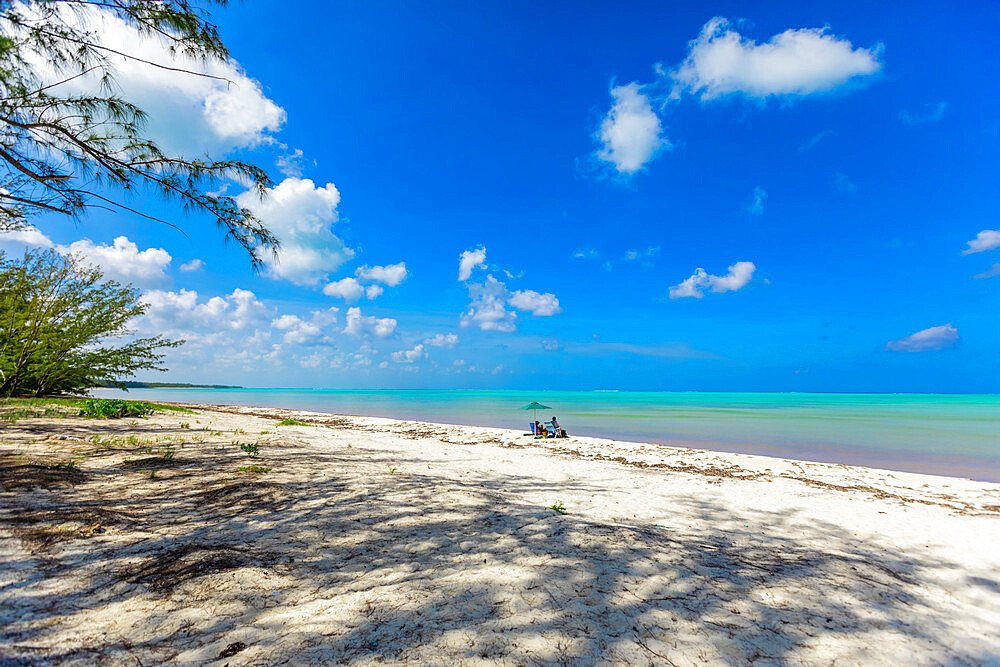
947	434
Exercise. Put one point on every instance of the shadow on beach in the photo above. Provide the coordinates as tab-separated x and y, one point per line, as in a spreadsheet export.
326	560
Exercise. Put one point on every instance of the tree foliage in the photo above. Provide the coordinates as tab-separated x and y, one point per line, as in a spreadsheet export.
62	328
64	153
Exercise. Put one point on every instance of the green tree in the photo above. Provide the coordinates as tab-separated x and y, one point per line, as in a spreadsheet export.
64	330
65	153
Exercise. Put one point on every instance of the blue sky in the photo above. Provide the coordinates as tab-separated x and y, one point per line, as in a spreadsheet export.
831	169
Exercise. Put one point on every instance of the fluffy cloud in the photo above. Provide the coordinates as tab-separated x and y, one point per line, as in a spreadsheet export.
299	331
187	113
442	340
739	275
469	260
488	309
122	260
410	356
352	289
182	313
391	274
988	239
929	339
348	289
721	62
540	305
193	265
25	236
301	215
362	325
630	133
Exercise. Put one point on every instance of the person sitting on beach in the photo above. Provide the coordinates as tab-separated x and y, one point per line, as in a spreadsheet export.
556	430
538	428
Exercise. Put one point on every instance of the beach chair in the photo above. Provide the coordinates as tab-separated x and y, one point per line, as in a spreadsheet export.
532	425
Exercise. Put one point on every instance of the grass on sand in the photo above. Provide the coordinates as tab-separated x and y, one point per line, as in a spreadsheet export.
60	407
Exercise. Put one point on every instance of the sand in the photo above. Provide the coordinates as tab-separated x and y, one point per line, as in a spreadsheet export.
367	540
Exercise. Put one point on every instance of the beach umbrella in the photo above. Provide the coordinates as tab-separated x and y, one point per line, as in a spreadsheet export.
534	406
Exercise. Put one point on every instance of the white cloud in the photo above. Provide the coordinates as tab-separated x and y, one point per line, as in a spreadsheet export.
121	261
442	340
25	236
298	331
988	239
756	206
290	164
181	312
720	62
931	114
193	265
361	325
929	339
630	133
991	272
348	289
586	253
540	305
186	113
351	289
410	356
739	275
488	309
469	260
391	274
301	214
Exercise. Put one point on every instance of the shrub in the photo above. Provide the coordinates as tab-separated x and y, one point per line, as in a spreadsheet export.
292	422
102	408
251	449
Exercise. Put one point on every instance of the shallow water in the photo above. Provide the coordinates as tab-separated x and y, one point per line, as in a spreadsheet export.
947	434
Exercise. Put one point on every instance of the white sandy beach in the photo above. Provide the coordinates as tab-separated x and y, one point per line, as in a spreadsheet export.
375	540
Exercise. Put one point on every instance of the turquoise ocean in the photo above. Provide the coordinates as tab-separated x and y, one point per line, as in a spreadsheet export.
945	434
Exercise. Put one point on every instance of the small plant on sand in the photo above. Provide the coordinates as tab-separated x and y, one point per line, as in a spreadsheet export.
185	425
264	432
251	449
167	452
392	470
257	469
292	422
558	508
132	440
239	431
152	474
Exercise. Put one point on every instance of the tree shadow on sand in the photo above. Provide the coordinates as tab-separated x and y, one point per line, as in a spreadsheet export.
334	564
